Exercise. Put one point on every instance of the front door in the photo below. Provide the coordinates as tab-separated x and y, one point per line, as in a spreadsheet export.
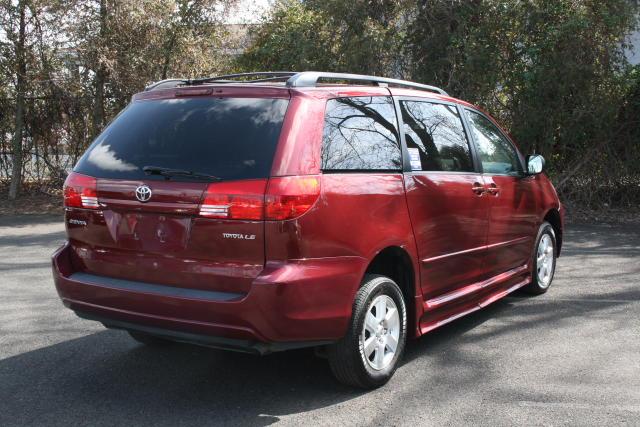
445	195
513	217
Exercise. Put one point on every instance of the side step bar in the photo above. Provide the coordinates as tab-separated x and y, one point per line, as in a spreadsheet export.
469	289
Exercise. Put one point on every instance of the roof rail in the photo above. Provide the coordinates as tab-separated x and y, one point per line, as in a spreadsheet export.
310	78
264	76
293	79
164	84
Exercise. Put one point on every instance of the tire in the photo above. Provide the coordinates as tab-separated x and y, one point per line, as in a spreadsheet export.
542	277
147	339
369	366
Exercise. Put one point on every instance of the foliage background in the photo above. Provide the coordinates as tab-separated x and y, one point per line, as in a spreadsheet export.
553	72
74	64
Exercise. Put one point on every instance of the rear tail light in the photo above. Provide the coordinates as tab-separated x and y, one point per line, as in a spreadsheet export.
285	198
80	191
291	196
235	200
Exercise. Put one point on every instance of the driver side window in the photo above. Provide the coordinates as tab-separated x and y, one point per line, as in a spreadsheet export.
497	155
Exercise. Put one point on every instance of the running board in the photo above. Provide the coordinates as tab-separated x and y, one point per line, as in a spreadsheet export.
475	287
504	293
482	304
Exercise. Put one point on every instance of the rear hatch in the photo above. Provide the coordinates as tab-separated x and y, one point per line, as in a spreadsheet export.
172	192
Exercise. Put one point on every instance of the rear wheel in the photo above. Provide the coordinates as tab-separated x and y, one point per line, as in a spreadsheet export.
368	355
543	261
148	339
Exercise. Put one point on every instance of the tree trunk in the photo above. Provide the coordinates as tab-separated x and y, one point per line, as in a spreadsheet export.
16	158
167	56
97	116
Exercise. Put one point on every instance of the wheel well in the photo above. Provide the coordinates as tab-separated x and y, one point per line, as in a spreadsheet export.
395	263
553	218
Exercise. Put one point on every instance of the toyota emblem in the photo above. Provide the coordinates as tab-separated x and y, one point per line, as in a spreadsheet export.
143	193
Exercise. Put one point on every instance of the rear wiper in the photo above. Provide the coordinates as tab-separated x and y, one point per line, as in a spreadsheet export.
168	173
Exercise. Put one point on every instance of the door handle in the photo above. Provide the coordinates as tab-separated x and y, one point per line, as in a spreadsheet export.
478	188
493	189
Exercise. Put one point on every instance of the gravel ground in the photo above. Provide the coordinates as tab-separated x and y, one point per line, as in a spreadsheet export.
569	357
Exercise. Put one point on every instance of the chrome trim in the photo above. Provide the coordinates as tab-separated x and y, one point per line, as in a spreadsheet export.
217	210
508	275
474	287
517	286
450	319
466	251
310	78
89	201
503	294
293	79
479	248
480	305
453	295
143	193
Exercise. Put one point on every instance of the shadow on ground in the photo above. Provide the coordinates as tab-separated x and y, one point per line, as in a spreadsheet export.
89	379
86	379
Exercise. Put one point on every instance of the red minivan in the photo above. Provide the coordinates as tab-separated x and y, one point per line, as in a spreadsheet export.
268	211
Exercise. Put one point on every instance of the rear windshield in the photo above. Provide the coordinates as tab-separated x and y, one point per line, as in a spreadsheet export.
231	138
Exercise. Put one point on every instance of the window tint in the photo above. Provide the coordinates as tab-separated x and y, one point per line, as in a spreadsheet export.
435	137
360	134
232	138
496	153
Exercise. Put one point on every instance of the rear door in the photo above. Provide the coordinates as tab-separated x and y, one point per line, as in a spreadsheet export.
445	196
193	231
513	218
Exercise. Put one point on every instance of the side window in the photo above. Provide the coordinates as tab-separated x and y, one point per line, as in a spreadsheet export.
360	133
496	153
435	137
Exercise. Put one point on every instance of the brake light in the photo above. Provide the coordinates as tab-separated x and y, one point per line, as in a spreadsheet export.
290	196
80	191
235	200
286	198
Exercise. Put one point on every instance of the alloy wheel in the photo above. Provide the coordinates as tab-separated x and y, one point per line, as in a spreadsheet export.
380	332
545	261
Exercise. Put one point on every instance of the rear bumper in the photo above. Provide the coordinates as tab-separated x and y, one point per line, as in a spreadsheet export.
245	346
293	304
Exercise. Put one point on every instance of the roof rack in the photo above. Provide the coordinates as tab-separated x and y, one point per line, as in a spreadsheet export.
311	78
260	76
293	79
264	76
165	84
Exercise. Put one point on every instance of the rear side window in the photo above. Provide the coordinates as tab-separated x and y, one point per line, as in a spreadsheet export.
496	153
232	138
435	137
360	133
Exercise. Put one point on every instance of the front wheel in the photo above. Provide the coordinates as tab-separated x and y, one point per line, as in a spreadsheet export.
543	260
368	355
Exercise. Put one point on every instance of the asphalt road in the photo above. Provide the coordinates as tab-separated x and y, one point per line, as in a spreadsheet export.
570	357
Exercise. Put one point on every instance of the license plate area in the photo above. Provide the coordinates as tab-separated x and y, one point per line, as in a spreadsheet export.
149	232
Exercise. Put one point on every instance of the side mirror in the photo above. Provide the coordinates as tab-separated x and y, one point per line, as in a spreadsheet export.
535	164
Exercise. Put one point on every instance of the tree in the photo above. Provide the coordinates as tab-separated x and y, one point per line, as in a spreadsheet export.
552	72
332	35
67	67
18	40
101	72
295	38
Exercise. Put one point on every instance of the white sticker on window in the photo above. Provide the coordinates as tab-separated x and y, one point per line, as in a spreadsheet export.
414	157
